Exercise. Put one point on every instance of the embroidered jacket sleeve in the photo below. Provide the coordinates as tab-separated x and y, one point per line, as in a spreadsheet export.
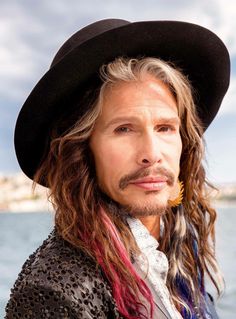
58	281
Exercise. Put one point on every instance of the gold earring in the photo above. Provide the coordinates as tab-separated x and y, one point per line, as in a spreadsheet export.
178	200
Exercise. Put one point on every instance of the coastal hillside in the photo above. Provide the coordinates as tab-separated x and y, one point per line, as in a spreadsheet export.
16	194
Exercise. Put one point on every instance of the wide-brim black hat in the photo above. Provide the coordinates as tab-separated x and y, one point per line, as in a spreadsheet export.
200	54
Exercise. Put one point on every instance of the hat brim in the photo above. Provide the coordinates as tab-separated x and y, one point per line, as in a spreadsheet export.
200	54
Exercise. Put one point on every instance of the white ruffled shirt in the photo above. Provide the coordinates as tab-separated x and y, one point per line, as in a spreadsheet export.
152	265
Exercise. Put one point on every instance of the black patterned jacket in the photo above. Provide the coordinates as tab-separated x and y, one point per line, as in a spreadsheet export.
59	281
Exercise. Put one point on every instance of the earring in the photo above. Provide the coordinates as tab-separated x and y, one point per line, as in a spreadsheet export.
178	200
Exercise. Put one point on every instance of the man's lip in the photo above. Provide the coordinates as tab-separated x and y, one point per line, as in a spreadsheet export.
151	183
150	179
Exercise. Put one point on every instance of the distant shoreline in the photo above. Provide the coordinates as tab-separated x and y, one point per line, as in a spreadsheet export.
217	204
16	196
223	203
3	212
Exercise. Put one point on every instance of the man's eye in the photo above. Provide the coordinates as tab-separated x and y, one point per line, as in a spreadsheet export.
122	129
166	128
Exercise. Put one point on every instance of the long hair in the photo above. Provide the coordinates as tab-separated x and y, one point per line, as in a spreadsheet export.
84	219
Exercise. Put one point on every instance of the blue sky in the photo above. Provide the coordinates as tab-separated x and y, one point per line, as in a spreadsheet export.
32	31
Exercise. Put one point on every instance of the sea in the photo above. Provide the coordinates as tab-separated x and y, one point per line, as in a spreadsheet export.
22	233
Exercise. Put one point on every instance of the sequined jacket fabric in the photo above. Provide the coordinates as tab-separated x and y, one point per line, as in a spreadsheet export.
58	281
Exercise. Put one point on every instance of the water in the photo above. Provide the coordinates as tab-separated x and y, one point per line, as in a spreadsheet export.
21	234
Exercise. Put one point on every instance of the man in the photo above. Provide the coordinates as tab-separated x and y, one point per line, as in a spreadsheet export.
115	131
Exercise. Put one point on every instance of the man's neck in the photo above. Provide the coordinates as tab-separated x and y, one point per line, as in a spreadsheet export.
152	223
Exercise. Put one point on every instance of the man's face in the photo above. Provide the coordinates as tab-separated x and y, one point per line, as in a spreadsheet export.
136	146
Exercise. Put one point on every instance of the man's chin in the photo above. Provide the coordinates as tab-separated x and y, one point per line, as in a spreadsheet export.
136	210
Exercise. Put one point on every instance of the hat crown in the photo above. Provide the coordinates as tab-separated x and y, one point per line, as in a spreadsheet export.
90	31
198	52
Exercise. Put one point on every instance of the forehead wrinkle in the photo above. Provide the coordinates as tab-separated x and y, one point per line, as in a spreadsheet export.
137	102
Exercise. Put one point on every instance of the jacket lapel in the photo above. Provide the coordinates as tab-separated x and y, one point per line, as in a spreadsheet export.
161	311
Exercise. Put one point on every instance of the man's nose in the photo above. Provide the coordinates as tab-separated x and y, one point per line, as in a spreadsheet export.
149	149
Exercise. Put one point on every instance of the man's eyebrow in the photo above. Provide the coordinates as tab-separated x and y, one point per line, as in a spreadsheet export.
169	120
126	119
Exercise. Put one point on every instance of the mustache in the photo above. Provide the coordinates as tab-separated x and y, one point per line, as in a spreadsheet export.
144	172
